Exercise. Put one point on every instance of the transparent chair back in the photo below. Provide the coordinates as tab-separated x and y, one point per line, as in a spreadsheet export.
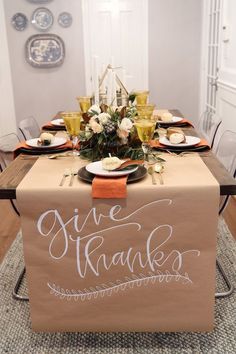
226	153
29	128
208	125
7	146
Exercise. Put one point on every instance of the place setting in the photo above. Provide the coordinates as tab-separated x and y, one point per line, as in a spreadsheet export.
46	143
56	124
165	119
175	140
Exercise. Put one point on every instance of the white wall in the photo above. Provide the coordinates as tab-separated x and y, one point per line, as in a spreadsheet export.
175	54
43	92
7	111
174	59
226	96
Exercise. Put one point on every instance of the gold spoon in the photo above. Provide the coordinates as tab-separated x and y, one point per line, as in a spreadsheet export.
159	169
151	173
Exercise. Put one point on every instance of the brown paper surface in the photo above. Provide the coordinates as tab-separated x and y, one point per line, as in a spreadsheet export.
145	263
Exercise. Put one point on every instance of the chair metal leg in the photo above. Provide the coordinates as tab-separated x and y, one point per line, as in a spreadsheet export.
227	281
15	294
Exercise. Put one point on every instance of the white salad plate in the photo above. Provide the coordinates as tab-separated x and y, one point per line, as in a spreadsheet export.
58	122
173	120
96	169
190	141
57	141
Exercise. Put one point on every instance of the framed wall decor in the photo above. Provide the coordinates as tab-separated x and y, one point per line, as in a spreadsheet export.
19	21
45	50
65	19
42	19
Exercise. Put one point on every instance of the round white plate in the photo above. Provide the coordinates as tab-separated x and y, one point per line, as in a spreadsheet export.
173	120
57	141
58	122
96	169
190	141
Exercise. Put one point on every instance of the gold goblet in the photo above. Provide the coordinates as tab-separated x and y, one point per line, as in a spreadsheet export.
141	97
145	129
85	102
72	122
145	111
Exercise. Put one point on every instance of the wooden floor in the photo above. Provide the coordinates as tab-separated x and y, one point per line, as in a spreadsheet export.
10	223
9	226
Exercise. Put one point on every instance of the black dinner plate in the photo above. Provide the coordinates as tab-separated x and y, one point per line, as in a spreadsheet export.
179	149
174	125
42	151
140	173
54	128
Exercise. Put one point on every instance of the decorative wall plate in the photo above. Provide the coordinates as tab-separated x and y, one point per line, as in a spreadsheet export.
65	19
45	50
39	1
19	21
42	19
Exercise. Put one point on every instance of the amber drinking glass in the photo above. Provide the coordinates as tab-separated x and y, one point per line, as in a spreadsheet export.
72	122
145	129
85	102
145	111
141	97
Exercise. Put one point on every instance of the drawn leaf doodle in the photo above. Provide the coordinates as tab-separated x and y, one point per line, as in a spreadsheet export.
114	287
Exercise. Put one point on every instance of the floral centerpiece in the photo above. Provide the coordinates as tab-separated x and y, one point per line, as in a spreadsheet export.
110	130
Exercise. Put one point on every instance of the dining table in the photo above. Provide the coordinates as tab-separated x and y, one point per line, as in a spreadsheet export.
145	261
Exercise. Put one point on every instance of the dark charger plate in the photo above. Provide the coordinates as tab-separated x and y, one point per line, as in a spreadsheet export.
179	149
41	151
140	173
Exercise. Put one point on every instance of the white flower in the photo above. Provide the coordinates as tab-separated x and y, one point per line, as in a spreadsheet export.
96	127
104	118
123	135
93	119
94	109
126	124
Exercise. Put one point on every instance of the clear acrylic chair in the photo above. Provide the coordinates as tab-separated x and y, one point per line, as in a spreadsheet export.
208	125
7	145
29	128
226	153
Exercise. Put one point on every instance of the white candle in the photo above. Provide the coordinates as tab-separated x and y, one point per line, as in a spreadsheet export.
123	78
103	85
114	98
109	86
95	80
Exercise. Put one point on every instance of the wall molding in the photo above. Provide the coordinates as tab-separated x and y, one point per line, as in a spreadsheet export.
227	85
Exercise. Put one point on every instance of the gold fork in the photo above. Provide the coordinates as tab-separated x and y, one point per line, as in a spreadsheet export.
66	173
73	174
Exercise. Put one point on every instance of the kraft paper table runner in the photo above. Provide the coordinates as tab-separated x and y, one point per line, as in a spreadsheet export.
146	263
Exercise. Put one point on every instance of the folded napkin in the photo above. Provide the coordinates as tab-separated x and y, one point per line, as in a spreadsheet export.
50	126
109	188
23	147
155	144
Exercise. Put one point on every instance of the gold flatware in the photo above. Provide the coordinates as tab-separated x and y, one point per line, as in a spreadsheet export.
159	169
74	172
55	156
152	174
66	173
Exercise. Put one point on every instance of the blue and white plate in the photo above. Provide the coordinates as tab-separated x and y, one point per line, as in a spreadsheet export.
19	21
